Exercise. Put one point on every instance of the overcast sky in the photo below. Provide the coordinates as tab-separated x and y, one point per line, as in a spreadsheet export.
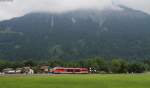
17	8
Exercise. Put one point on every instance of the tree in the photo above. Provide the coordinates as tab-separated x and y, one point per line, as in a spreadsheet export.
29	63
136	67
97	64
4	64
102	65
55	63
119	66
16	65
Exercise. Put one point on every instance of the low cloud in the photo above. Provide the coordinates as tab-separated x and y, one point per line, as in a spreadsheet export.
143	5
15	8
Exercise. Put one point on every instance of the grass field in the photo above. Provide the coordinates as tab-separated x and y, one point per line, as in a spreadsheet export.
77	81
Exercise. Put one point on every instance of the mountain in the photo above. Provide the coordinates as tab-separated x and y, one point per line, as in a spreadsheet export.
123	33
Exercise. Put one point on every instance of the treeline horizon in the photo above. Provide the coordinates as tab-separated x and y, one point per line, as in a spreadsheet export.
97	64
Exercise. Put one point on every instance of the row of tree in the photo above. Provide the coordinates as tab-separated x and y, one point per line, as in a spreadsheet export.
97	65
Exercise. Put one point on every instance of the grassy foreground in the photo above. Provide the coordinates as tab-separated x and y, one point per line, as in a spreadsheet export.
77	81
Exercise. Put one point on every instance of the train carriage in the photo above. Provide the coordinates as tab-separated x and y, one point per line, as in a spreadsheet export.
62	70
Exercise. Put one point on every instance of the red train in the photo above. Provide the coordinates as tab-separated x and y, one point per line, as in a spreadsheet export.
62	70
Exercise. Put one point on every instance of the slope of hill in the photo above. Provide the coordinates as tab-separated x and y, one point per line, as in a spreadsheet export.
77	34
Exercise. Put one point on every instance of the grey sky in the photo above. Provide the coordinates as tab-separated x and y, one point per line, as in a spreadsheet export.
17	8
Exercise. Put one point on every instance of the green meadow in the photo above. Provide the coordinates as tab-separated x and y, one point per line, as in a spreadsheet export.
77	81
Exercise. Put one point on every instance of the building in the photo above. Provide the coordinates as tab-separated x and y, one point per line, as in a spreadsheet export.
28	70
18	70
44	69
9	71
62	70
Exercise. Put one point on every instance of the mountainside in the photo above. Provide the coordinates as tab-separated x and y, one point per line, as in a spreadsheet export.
77	34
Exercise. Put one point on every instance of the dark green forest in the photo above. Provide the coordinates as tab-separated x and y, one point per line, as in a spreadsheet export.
101	65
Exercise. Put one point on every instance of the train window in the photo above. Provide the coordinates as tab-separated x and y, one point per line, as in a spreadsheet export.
77	70
69	70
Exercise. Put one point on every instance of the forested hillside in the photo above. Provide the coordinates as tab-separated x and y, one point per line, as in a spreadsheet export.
76	35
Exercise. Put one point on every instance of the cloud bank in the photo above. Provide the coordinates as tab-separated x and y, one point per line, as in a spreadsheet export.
17	8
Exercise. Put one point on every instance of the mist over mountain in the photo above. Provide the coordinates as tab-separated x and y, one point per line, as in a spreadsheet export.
77	34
